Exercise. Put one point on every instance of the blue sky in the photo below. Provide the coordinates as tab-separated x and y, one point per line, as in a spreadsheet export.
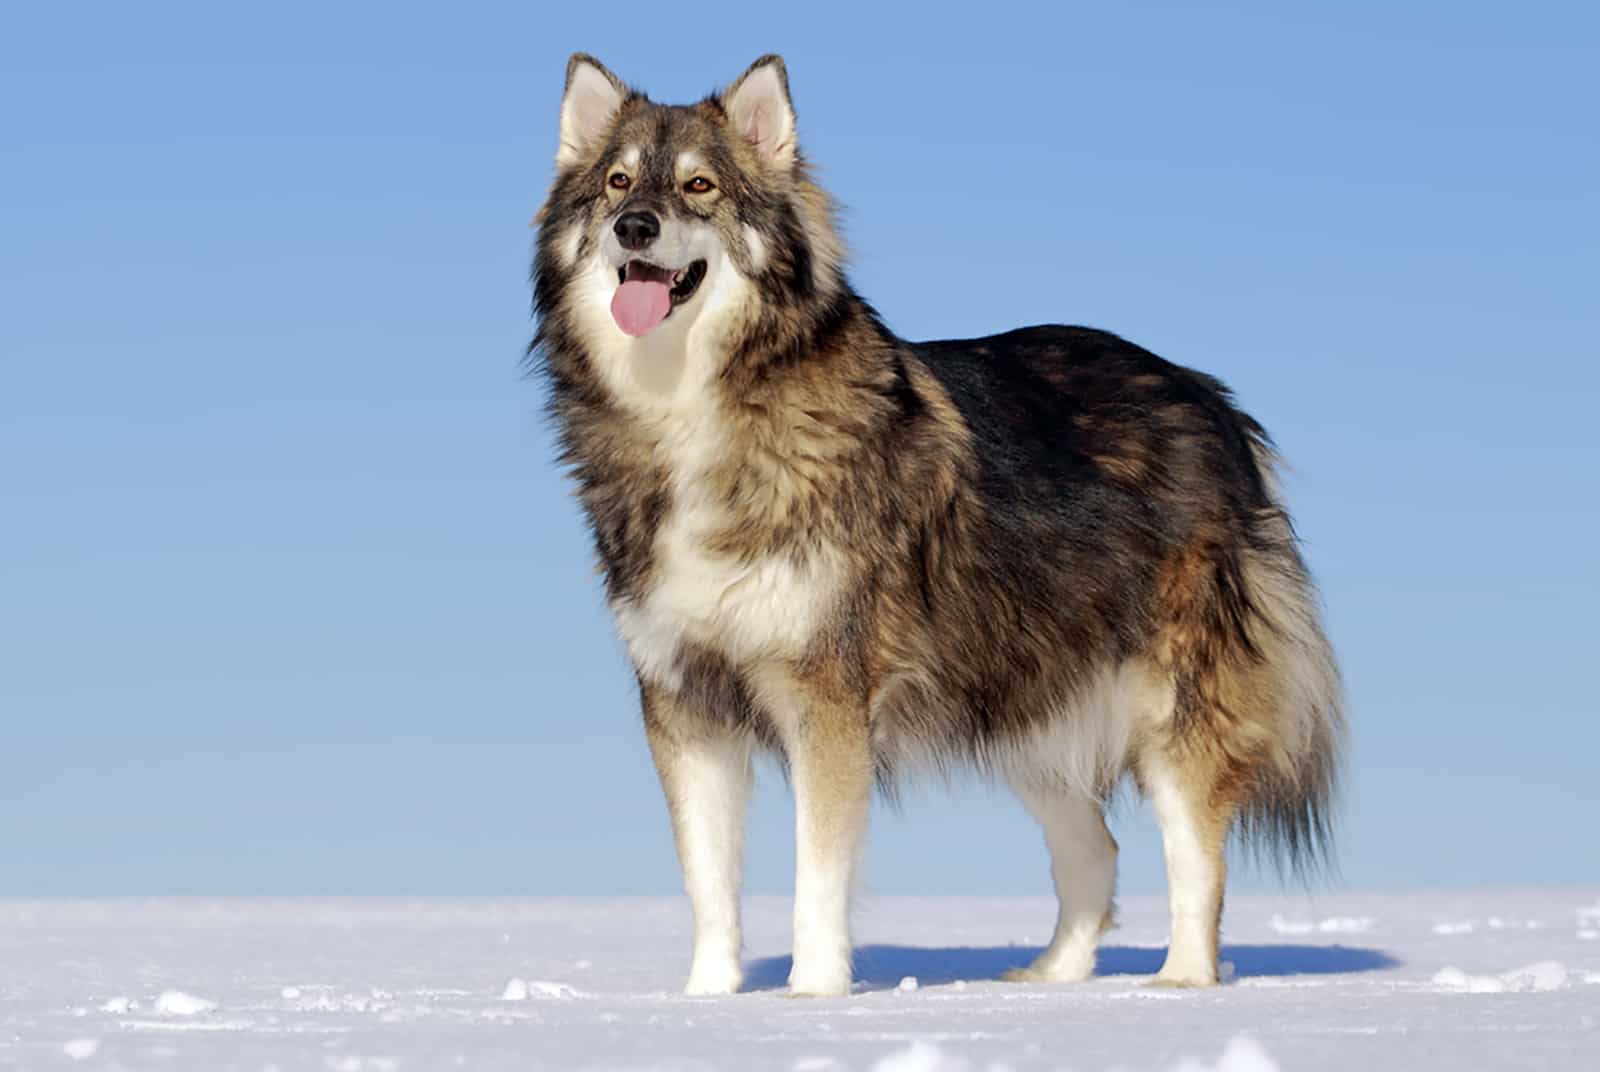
292	599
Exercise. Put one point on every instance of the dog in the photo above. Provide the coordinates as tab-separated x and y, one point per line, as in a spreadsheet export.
1047	556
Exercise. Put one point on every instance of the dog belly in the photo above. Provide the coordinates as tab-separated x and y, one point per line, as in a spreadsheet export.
1081	740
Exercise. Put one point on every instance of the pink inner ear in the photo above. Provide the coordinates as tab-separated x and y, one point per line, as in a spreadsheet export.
591	110
753	128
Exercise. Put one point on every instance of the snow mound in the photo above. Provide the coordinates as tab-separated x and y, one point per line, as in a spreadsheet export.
526	989
177	1003
1497	923
118	1006
362	1064
921	1057
818	1064
908	984
1241	1054
81	1049
1542	976
1464	926
1335	925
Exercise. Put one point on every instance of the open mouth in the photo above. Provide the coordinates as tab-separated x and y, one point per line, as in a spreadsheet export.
647	293
681	284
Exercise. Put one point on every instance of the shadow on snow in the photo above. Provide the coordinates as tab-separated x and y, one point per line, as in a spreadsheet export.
880	966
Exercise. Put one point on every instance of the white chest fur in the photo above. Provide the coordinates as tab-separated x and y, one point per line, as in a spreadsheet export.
748	608
745	607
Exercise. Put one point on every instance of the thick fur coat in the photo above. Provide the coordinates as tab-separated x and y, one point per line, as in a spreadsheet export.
1048	555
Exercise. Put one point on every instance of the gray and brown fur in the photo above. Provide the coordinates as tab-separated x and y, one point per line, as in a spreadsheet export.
1049	555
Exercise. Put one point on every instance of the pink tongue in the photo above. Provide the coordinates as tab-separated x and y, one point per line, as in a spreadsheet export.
639	305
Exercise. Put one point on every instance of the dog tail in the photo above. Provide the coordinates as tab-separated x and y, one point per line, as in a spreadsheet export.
1288	819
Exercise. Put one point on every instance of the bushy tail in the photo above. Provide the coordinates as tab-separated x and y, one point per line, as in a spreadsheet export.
1289	818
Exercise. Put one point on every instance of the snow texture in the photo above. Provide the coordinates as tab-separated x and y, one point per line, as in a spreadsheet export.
522	990
1335	925
81	1049
177	1003
1545	975
1416	981
1242	1054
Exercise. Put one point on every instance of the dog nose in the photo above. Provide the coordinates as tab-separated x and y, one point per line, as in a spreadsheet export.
636	230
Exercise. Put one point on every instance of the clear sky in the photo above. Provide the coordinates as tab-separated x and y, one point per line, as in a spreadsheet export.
293	600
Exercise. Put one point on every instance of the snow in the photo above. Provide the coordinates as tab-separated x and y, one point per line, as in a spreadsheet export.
1545	975
177	1003
81	1049
1335	925
363	1064
1242	1054
1318	984
921	1057
522	990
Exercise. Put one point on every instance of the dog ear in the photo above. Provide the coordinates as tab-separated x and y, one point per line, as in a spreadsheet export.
592	98
759	109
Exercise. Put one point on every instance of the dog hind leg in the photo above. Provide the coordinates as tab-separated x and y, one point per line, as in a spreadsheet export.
1083	863
1183	788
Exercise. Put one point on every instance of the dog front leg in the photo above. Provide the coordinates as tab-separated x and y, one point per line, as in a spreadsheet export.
830	765
706	775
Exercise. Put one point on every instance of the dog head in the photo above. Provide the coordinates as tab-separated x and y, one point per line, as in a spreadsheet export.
664	217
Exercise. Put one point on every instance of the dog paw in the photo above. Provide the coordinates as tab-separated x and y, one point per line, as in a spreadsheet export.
1035	974
1073	964
819	983
1183	981
708	979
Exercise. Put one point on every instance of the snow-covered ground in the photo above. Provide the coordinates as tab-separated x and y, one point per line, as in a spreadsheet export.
1413	981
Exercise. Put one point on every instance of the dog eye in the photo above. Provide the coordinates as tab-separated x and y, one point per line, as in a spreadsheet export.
619	181
699	185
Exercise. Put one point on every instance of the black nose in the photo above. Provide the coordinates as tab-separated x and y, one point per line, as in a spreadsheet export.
636	230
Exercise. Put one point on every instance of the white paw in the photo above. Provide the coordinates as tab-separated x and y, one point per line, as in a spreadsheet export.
1185	976
813	980
710	977
1048	969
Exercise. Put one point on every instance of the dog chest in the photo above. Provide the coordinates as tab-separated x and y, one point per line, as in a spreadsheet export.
766	607
745	606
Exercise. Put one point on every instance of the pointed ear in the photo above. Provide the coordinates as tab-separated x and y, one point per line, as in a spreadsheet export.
758	108
591	101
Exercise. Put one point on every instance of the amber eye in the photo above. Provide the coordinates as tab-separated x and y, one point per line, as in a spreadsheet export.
619	181
699	185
